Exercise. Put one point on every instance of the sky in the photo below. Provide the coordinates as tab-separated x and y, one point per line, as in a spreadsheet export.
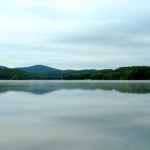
75	34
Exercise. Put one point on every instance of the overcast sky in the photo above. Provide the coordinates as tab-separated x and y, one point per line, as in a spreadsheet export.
75	34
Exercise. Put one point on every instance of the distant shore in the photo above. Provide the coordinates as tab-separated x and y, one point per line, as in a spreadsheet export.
40	72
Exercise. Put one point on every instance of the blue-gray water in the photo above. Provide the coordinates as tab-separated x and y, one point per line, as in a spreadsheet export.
74	115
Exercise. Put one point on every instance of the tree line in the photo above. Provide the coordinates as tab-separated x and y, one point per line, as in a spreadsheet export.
123	73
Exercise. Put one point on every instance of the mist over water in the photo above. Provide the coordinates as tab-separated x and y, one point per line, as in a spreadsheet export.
44	87
74	115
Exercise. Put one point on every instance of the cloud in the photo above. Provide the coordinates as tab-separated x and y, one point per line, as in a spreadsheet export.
75	34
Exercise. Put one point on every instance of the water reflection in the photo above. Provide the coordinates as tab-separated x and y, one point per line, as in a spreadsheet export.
42	87
92	117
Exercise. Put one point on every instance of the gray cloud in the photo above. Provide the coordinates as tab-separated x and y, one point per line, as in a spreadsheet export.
75	34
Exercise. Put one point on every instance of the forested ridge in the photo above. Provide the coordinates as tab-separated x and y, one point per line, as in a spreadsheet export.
123	73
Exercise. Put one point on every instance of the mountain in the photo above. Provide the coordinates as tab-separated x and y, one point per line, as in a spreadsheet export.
40	69
40	72
3	67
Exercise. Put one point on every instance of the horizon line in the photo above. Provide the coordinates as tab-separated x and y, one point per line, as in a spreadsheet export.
72	69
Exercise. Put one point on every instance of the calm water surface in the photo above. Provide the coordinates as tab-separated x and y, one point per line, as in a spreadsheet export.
74	115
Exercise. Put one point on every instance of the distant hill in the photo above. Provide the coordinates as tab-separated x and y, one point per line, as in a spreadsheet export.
3	67
40	72
40	69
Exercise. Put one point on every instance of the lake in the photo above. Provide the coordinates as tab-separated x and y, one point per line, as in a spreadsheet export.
74	115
